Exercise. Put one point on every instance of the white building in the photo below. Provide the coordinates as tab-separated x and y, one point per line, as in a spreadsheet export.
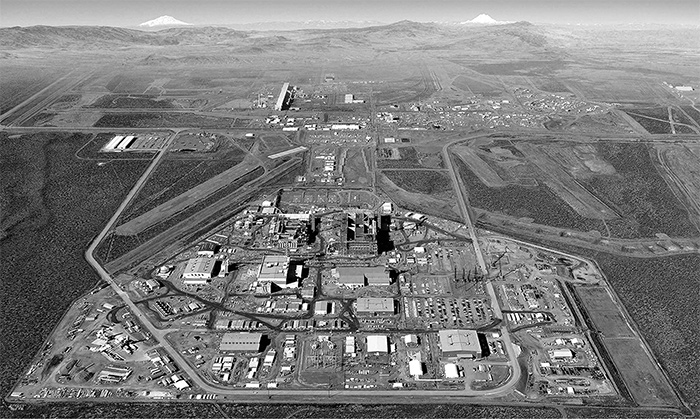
377	344
198	270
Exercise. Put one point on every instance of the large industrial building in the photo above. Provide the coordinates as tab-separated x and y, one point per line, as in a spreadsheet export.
241	342
460	344
377	344
282	98
360	233
275	269
360	276
375	306
198	270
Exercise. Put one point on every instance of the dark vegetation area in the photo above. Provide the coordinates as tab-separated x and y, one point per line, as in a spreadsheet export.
536	202
157	120
692	113
680	129
652	125
658	113
52	205
421	181
131	101
639	193
680	117
280	410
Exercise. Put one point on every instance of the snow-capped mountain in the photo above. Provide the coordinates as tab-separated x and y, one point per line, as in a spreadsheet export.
164	21
484	19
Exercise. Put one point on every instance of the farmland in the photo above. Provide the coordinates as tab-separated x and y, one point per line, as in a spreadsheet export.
52	204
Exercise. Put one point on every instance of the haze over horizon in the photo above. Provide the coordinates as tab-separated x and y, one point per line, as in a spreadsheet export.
130	13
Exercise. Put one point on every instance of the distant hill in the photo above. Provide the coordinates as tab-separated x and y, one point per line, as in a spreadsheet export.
405	35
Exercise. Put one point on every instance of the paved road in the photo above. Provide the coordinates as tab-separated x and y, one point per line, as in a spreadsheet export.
464	209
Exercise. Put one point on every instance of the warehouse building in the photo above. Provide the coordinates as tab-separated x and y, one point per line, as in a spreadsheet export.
282	101
360	276
198	270
275	269
375	306
241	342
460	344
377	344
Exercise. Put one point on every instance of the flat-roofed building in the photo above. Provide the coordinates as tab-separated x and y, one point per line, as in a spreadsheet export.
275	269
359	276
241	342
377	344
375	306
562	354
460	344
198	270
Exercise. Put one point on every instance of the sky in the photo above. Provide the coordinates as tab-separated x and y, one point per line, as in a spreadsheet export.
201	12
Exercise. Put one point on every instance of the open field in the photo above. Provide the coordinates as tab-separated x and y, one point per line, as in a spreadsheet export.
604	313
52	205
116	245
177	174
197	192
356	170
644	381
